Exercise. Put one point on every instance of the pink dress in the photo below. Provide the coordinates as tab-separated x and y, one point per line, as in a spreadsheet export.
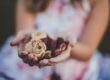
60	20
67	21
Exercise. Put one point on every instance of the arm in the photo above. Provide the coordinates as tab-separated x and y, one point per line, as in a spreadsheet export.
24	25
90	39
94	31
24	19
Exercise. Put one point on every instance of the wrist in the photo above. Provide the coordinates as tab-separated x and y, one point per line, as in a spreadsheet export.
81	52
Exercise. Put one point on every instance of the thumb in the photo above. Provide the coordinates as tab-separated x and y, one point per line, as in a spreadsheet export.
62	57
20	37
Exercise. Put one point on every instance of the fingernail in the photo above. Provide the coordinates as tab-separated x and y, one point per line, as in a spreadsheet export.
11	44
31	56
25	53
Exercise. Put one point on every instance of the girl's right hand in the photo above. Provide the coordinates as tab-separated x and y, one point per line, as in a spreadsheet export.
20	40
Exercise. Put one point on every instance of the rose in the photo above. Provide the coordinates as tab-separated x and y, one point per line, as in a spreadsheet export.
38	48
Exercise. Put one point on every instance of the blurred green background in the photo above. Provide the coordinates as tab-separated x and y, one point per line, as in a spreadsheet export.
7	24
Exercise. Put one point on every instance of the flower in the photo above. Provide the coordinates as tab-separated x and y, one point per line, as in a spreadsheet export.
42	46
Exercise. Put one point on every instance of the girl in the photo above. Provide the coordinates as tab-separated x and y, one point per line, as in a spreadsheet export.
81	20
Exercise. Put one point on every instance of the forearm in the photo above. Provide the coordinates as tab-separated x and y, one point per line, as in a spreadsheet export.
95	28
81	52
24	19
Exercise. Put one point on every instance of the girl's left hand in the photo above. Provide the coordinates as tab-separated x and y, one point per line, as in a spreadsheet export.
60	58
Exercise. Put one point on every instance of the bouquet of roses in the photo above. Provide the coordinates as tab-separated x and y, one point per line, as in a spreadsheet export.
38	48
44	47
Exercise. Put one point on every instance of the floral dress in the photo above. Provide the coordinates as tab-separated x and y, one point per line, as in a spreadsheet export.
61	19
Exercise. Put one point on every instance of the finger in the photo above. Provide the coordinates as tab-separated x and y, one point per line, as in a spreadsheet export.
36	60
31	56
17	39
26	60
62	57
44	63
31	59
23	54
72	41
27	39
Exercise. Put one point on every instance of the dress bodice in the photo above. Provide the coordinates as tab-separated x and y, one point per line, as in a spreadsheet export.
62	19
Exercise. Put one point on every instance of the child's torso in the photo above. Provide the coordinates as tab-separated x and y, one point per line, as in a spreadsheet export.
63	19
67	21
